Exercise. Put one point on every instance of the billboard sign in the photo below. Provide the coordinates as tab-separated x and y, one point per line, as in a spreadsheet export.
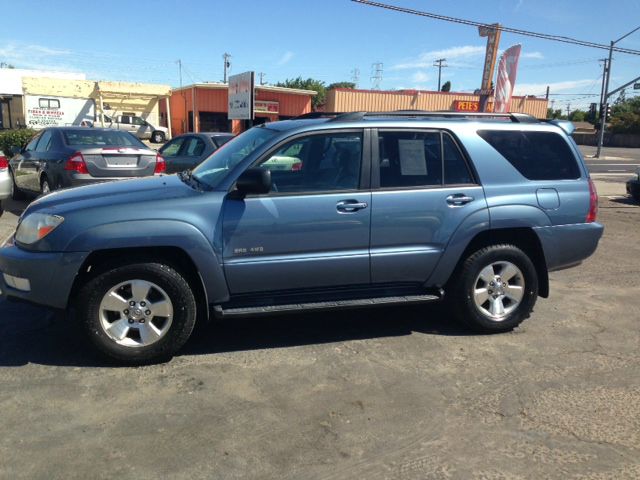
241	96
492	32
44	111
264	106
507	71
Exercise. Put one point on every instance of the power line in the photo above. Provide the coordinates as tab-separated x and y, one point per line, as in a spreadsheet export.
517	31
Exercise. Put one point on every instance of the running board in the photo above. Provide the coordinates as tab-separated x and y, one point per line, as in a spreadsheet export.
220	311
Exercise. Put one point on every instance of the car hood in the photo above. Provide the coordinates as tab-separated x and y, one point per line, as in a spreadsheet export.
123	192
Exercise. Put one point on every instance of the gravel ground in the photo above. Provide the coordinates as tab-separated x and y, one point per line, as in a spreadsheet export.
391	393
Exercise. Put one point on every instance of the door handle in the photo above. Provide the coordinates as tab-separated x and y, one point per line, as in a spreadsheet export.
458	200
350	206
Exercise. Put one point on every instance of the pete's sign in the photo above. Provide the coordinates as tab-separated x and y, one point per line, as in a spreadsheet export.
469	106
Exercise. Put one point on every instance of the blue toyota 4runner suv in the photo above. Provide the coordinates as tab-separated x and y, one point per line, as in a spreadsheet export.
319	212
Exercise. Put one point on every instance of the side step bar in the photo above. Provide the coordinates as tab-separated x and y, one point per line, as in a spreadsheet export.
220	311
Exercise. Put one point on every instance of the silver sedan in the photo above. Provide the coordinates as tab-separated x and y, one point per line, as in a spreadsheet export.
6	185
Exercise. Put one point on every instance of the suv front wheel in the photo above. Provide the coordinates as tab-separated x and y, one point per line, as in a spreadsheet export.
138	313
496	289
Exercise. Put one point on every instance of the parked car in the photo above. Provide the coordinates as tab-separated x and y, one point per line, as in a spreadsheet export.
386	209
633	187
6	185
138	126
187	151
59	157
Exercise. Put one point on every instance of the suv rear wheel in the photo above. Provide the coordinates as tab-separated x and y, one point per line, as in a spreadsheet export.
496	289
139	313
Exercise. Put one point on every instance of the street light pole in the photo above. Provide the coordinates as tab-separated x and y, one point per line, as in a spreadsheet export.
603	108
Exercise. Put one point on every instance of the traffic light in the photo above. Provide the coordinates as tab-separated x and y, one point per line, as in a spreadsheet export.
607	112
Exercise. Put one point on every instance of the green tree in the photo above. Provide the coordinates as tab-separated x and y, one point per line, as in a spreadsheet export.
446	87
307	84
555	114
349	85
578	116
625	116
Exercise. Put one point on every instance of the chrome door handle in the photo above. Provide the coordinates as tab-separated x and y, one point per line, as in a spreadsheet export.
350	206
458	199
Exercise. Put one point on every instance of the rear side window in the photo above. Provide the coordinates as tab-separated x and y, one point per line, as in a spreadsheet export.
536	155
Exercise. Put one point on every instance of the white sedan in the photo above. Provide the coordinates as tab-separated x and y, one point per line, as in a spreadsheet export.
5	178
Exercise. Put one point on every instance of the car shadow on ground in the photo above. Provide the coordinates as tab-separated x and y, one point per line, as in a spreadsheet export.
30	334
16	207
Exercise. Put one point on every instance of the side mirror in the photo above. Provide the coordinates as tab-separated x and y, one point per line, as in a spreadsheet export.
15	150
254	180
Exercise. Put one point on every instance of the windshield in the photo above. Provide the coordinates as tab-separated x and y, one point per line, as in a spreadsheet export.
215	168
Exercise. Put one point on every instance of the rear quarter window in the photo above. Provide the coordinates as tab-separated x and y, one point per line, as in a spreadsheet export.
536	155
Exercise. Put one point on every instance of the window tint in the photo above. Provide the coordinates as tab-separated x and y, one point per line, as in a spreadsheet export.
536	155
45	141
409	159
172	148
317	163
194	147
31	146
455	168
101	137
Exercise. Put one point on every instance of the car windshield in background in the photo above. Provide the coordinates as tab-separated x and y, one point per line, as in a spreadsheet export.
99	138
215	168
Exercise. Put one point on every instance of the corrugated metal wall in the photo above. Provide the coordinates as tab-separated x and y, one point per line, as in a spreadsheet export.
343	100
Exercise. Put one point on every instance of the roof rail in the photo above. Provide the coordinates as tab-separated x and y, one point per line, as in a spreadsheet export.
311	115
356	116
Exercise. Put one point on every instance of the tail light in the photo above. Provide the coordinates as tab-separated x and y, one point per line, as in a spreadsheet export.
296	167
4	163
593	203
161	165
76	163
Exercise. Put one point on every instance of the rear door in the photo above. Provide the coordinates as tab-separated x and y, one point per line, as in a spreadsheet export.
423	189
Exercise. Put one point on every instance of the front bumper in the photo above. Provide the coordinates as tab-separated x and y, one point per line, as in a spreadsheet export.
50	275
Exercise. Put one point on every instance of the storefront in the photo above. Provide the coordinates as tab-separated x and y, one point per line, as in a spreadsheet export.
210	103
347	100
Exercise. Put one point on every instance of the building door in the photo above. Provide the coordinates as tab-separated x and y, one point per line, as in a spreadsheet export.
213	122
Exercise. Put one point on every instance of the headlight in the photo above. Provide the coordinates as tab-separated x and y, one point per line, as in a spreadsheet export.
36	226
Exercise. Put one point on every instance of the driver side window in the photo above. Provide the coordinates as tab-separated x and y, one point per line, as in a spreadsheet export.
317	163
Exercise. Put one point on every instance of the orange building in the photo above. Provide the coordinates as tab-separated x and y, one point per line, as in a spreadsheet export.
347	100
210	103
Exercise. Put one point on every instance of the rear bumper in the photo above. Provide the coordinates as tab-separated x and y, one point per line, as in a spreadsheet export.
50	275
567	245
5	185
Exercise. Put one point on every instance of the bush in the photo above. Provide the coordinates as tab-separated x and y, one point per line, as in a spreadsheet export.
15	138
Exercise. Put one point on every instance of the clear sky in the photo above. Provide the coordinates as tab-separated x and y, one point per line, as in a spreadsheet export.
141	41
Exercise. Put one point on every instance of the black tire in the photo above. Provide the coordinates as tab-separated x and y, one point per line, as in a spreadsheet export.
157	137
168	279
45	186
462	300
16	193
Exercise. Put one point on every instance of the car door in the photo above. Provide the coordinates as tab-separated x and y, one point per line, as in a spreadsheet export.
312	229
23	165
191	153
41	164
423	189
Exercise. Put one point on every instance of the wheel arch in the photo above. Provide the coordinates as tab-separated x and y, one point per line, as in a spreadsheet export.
98	260
522	237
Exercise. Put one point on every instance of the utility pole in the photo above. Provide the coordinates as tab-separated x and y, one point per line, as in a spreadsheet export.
355	76
438	63
568	110
227	64
376	75
605	97
179	62
262	75
184	98
605	62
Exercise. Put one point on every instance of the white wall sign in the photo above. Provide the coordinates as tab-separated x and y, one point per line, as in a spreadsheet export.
241	95
45	111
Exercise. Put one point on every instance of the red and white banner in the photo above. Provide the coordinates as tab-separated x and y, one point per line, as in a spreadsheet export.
507	70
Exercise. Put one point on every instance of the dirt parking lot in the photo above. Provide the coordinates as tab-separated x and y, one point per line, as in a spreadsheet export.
397	393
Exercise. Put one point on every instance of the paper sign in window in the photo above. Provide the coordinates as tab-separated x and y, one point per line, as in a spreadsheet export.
412	157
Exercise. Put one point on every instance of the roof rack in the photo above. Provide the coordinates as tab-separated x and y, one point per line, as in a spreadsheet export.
311	115
356	116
